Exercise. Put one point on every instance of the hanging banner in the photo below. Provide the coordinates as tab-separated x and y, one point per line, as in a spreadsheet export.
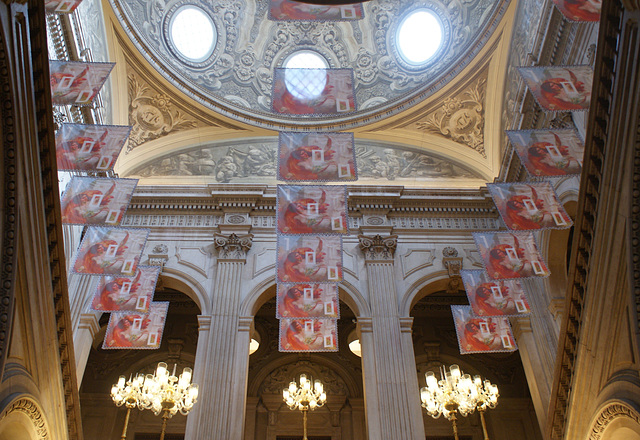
77	83
558	88
313	91
95	201
580	10
510	255
307	301
549	153
61	6
482	335
311	209
288	10
137	331
303	259
494	298
82	147
113	251
316	157
298	335
529	206
135	294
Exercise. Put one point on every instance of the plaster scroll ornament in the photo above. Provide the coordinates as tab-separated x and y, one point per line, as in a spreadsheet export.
378	247
233	246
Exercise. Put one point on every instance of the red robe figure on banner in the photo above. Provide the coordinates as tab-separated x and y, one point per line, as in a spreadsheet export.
300	219
295	266
69	157
294	336
95	260
80	209
485	303
121	337
110	298
296	11
561	94
293	303
520	216
502	265
545	165
583	10
474	340
58	79
300	164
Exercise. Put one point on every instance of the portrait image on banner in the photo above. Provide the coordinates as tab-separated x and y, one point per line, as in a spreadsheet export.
316	157
110	251
137	331
307	300
288	10
529	206
308	335
312	209
82	147
549	153
61	6
482	334
77	83
492	297
96	201
558	88
115	294
313	91
580	10
510	255
309	258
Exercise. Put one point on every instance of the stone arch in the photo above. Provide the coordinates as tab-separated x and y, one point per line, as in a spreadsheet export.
616	420
22	419
186	284
436	280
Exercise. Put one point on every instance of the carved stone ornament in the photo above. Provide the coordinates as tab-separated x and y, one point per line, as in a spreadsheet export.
233	246
609	414
159	255
32	411
454	266
279	379
449	252
378	247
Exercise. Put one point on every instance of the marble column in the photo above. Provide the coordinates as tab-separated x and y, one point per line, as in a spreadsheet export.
393	411
220	414
83	336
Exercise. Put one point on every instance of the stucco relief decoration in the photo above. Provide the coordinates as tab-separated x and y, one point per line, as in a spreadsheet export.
151	114
610	413
279	379
32	411
233	246
461	118
378	247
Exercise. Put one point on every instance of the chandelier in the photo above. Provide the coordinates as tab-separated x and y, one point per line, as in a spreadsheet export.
456	393
304	397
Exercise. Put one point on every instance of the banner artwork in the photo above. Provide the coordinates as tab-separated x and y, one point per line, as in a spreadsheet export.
482	335
309	209
549	153
580	10
303	259
308	335
95	201
494	298
82	147
116	294
288	10
77	83
307	301
61	6
560	88
137	331
510	255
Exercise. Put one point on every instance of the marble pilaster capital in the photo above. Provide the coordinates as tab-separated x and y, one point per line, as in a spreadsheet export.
377	247
204	323
233	247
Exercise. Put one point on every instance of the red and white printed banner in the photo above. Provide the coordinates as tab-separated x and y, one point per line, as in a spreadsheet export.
96	201
311	209
316	157
289	10
313	91
77	83
298	335
309	258
136	331
134	294
510	255
482	335
494	298
82	147
110	251
549	153
529	206
61	6
560	88
306	300
580	10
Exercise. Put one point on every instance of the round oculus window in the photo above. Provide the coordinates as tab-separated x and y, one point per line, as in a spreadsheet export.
305	75
419	36
193	33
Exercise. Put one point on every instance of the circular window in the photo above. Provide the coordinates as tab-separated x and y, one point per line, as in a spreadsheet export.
419	36
305	76
193	33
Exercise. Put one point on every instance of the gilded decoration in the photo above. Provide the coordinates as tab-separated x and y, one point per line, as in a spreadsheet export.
461	117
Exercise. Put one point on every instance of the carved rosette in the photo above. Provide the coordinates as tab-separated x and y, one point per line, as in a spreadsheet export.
377	247
233	247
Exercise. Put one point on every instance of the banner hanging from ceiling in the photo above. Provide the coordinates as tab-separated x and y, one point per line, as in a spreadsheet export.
309	258
76	83
316	157
529	206
61	6
307	300
560	88
134	294
95	200
580	10
110	251
313	91
494	298
510	255
299	335
482	335
311	209
136	331
289	10
549	153
82	147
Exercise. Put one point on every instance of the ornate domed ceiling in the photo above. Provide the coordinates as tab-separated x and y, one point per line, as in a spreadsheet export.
234	75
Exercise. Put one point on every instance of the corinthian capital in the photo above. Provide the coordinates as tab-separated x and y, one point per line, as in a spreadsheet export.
378	247
232	247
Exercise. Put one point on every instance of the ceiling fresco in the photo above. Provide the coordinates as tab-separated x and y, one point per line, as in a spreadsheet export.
236	79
